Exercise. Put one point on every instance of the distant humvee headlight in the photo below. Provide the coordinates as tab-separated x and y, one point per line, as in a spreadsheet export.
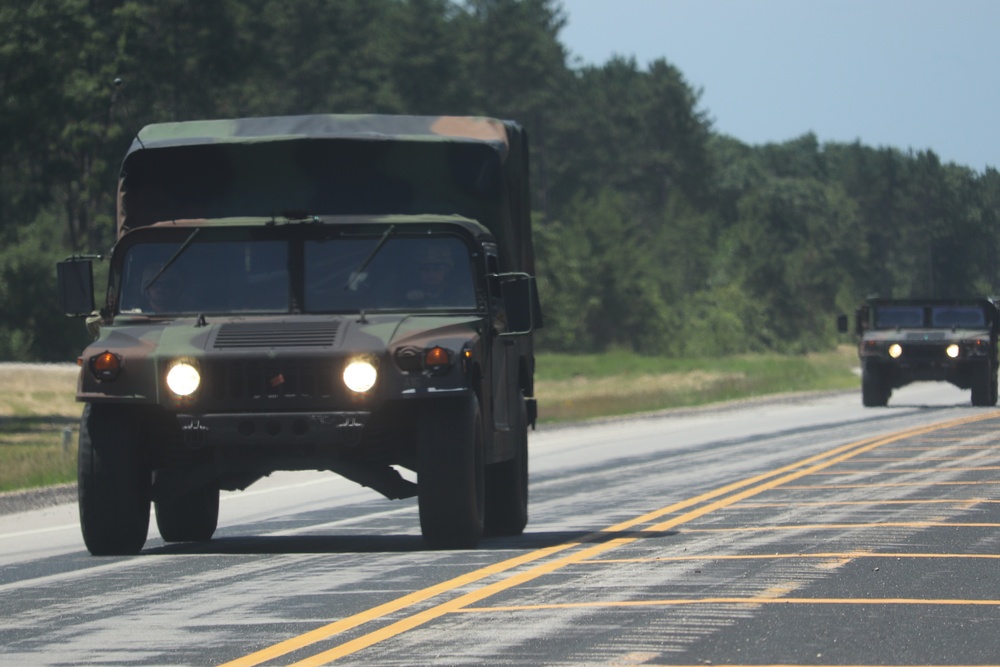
952	351
360	376
183	379
895	350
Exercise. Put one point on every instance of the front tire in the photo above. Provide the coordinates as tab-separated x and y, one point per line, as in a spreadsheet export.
984	387
113	483
875	390
450	474
186	515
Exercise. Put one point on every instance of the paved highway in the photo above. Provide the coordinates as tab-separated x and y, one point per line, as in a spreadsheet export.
801	531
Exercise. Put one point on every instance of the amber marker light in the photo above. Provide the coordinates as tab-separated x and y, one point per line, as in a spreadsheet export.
437	357
106	366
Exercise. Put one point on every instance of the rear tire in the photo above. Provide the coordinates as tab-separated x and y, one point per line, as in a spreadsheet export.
450	473
507	483
187	516
113	484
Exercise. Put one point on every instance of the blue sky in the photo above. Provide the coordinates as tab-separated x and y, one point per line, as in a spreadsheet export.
911	74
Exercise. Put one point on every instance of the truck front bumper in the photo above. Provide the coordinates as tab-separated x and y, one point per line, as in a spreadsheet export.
277	428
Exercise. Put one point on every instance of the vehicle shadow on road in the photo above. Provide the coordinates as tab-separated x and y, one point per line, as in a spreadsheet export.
347	544
934	406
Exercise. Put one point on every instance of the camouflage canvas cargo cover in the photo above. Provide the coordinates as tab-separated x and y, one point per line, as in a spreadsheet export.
372	164
344	293
912	340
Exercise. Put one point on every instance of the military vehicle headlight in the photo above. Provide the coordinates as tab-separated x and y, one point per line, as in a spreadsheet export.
183	379
952	351
360	375
895	350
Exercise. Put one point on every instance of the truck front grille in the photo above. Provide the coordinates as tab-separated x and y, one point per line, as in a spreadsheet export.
924	353
273	381
240	335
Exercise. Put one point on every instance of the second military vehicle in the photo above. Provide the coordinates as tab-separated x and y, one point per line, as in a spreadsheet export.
910	340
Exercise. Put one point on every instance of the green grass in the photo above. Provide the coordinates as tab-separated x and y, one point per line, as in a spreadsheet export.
38	450
571	387
35	463
37	406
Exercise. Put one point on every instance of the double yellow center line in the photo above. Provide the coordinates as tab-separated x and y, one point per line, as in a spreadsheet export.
583	549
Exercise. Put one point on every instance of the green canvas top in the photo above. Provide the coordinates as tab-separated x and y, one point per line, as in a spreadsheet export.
324	126
333	165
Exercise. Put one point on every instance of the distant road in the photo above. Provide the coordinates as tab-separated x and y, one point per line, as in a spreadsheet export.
804	530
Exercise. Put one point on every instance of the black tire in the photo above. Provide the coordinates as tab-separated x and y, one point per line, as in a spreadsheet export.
984	387
450	473
186	516
875	389
113	485
507	484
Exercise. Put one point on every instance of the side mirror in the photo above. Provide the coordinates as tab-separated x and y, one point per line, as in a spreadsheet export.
842	323
75	278
519	297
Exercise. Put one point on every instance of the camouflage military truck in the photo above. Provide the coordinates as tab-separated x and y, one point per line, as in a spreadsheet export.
344	293
904	341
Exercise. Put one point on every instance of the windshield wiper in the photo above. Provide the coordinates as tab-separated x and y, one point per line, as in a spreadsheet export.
173	258
352	281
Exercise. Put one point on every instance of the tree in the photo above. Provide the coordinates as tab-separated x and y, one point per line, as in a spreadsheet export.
638	132
598	280
788	254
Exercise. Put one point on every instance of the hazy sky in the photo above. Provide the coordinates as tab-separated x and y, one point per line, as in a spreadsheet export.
911	74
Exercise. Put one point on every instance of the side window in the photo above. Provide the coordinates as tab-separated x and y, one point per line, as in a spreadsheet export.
437	274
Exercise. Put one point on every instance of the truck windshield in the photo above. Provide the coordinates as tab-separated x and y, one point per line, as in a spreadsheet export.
966	317
260	275
941	317
891	317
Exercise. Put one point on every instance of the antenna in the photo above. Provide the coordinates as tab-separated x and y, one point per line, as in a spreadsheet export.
128	117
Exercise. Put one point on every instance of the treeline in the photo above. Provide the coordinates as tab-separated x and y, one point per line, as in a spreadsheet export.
654	232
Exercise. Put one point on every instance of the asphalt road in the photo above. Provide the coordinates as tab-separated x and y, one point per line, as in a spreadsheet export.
805	531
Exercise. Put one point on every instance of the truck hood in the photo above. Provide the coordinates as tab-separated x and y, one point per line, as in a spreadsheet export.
144	347
926	335
271	335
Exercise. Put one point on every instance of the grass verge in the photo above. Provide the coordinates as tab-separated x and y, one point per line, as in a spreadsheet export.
39	421
571	388
39	417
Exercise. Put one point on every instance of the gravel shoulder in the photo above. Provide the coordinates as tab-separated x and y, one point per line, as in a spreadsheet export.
12	502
